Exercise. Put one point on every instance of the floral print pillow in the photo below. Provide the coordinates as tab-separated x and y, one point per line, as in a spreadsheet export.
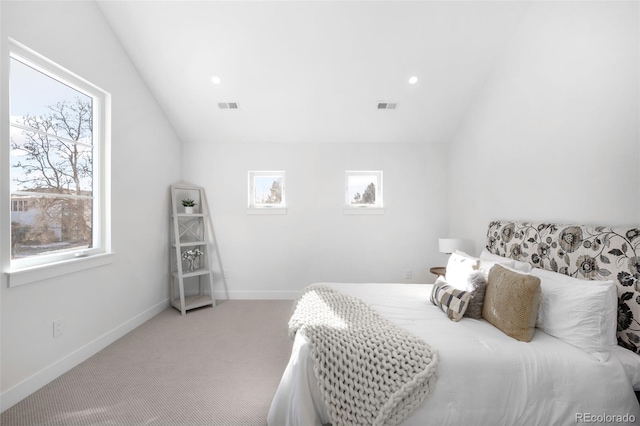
586	252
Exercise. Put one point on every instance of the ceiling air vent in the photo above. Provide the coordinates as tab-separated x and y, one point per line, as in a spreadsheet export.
387	105
228	105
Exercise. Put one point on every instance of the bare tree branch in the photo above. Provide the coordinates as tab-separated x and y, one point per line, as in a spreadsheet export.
52	165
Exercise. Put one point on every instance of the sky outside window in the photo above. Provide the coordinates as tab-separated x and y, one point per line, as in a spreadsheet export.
37	91
31	93
262	188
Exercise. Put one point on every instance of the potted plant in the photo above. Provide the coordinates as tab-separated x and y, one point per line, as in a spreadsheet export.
188	204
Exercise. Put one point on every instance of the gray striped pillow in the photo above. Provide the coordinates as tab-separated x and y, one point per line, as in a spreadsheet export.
452	301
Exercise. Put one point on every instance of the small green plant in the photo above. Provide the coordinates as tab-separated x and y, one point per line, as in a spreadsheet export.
188	202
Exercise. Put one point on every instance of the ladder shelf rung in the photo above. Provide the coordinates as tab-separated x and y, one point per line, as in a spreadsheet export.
195	273
192	302
191	244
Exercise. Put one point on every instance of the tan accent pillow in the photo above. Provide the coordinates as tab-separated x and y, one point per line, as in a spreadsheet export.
511	302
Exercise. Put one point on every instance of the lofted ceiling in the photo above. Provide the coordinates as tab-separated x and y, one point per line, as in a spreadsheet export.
307	71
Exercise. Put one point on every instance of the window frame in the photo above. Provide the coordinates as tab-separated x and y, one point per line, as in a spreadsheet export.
83	258
377	207
260	208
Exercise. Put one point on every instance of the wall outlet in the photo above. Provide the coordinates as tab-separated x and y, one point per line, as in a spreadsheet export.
57	327
408	274
226	273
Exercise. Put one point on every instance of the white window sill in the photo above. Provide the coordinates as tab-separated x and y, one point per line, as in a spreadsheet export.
17	277
267	210
363	210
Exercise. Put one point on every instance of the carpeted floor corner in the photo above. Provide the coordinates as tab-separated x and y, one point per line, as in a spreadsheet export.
214	366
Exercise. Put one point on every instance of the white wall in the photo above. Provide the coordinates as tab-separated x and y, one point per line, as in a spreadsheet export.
274	256
100	304
554	134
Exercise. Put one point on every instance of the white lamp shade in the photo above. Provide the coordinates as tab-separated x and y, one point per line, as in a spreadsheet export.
449	245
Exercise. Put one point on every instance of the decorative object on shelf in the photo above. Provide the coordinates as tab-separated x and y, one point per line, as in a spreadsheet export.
191	256
188	205
449	245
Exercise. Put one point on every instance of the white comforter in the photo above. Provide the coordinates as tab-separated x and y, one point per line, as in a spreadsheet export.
484	376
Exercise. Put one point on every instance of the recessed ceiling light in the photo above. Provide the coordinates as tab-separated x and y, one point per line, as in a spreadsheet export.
215	79
413	80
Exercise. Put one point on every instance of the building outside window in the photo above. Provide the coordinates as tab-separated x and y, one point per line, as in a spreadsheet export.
19	206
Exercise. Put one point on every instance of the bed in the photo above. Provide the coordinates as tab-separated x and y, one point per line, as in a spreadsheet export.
487	377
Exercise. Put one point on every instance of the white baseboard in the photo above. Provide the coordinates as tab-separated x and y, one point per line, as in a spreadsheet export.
256	295
17	393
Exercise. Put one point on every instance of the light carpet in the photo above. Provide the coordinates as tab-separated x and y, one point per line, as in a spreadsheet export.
214	366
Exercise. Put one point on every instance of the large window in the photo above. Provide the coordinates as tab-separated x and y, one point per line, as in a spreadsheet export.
58	126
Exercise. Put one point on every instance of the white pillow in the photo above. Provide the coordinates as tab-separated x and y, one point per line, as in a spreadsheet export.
580	312
517	264
485	265
464	274
459	268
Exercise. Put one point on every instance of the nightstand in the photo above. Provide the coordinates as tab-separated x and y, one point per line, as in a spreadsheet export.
438	270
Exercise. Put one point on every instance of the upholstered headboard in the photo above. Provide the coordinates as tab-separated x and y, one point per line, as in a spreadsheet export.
586	252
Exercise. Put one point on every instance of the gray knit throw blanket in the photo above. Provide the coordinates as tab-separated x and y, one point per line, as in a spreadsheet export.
370	371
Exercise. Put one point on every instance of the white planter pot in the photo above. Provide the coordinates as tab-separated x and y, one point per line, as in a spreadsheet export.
188	210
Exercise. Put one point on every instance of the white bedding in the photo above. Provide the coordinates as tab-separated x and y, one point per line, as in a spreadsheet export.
631	363
484	376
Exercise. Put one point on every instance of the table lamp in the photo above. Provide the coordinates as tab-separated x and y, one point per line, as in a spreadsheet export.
449	245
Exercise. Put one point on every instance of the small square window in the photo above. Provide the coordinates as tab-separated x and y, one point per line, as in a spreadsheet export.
267	191
363	190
